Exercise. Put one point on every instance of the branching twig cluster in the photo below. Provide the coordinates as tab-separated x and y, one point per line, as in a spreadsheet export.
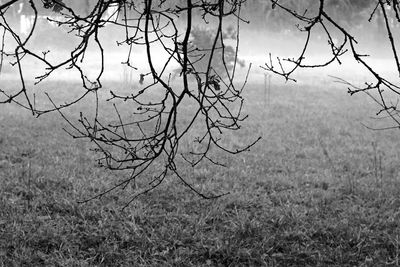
309	24
150	131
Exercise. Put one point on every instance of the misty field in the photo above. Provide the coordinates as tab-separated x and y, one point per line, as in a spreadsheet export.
319	189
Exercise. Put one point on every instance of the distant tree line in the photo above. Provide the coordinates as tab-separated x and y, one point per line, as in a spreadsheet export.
262	12
351	13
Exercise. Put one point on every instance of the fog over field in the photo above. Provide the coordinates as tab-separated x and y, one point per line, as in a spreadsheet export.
257	41
256	45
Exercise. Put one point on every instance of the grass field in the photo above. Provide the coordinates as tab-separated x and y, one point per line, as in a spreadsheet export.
318	190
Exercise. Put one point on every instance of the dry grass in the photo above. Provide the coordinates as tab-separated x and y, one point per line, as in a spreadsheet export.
318	190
